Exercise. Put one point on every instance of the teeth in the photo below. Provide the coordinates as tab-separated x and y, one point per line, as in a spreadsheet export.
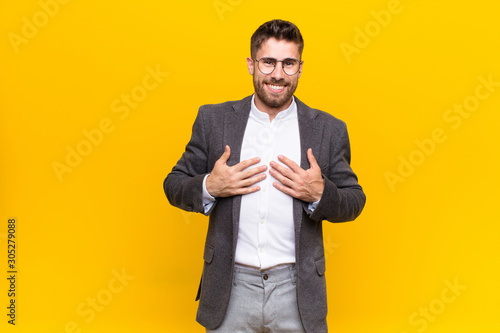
276	87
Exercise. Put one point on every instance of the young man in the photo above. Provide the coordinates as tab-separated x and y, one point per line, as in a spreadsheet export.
267	170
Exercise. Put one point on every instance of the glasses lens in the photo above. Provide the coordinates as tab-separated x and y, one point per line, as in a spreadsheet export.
291	66
266	65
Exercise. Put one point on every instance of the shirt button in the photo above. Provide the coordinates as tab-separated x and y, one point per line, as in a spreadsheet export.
265	277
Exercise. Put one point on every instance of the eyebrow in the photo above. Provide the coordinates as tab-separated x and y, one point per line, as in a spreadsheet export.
278	59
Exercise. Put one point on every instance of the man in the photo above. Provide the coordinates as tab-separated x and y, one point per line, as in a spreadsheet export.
267	170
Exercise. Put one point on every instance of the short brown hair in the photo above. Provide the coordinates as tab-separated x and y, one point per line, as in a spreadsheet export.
279	29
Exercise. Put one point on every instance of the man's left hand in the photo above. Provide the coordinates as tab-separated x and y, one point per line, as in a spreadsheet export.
306	185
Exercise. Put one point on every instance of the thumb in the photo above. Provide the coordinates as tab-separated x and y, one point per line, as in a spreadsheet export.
225	156
312	159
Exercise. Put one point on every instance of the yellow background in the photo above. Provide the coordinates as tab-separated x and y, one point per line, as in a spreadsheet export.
109	214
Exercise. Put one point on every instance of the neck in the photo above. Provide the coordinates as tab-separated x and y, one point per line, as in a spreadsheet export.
272	112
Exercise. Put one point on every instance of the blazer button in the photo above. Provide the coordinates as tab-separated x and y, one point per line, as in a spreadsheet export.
265	277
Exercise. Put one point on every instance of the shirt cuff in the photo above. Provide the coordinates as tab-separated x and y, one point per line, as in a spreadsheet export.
207	199
312	206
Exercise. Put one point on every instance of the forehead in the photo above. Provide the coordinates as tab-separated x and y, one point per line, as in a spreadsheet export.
279	49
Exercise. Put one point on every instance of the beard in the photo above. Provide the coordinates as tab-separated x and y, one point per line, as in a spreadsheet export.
270	99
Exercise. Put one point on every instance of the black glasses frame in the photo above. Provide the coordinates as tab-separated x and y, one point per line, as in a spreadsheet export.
282	65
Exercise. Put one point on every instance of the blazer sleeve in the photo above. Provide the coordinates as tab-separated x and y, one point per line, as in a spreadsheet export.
183	185
343	198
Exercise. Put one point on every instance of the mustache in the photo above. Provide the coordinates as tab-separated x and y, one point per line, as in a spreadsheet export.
277	82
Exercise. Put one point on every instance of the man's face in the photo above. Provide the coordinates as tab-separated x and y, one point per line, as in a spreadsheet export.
275	90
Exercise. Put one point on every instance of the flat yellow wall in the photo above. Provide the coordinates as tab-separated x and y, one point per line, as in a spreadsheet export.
97	99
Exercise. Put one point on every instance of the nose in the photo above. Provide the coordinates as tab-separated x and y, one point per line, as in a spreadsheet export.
278	72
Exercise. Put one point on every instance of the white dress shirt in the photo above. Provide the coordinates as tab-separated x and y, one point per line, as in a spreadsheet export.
266	236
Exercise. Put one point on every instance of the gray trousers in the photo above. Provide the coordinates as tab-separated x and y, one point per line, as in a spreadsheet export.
263	302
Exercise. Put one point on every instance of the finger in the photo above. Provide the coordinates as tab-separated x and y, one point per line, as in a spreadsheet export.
282	170
285	189
282	179
289	163
246	163
312	159
247	190
225	156
253	171
252	180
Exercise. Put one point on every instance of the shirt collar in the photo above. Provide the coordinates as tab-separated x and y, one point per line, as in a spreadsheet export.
291	110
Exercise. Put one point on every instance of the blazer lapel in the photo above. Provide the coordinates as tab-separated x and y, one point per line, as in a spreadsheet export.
235	122
310	132
311	135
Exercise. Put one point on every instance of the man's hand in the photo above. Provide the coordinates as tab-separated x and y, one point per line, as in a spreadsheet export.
306	185
226	181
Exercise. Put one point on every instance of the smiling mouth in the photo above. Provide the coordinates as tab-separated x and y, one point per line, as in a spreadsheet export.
275	88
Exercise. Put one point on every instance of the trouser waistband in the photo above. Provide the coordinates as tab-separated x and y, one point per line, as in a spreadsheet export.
274	274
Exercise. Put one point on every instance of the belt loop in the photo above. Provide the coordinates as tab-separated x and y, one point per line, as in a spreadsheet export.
293	274
236	272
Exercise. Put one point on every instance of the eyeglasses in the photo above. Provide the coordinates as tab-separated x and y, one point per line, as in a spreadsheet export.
267	65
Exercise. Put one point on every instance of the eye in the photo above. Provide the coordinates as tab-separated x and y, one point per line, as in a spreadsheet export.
268	61
290	62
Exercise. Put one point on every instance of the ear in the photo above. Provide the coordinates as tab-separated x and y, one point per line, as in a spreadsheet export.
300	68
250	65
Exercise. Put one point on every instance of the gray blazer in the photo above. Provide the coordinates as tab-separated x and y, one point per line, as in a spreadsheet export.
342	200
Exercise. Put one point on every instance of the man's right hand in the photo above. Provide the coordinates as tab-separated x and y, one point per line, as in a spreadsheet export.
226	181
